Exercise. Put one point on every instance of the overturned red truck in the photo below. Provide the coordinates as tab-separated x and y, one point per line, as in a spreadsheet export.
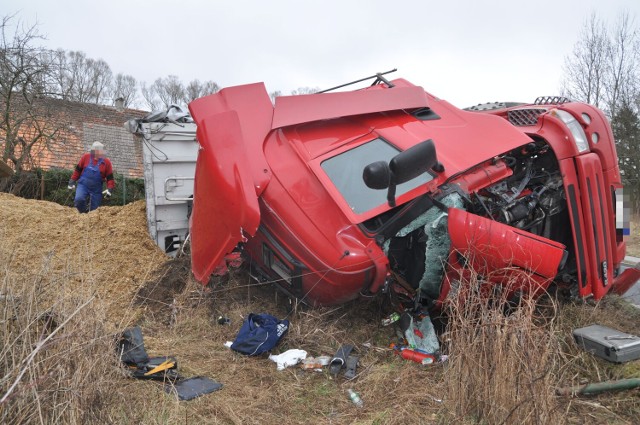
338	195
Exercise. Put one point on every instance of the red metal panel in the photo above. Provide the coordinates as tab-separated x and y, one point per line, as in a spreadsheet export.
492	246
484	176
291	110
255	111
225	202
626	280
574	204
597	223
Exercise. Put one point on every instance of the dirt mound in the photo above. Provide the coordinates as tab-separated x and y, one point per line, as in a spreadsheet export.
109	246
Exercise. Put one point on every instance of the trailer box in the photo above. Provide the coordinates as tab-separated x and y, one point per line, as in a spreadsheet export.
169	152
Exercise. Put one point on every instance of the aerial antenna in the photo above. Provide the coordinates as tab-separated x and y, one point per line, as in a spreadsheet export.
378	79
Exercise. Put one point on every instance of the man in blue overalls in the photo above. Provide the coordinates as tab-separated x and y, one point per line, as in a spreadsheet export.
92	169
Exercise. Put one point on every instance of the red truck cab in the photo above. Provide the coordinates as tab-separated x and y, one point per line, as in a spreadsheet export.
337	195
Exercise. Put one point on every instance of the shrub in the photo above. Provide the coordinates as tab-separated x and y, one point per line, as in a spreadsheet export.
51	185
502	366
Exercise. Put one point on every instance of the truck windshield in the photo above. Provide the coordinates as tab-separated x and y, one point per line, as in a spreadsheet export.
345	172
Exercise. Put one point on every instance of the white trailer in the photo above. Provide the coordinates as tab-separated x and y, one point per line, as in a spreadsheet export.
169	155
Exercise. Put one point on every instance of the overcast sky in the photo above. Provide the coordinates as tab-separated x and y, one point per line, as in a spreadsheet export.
463	51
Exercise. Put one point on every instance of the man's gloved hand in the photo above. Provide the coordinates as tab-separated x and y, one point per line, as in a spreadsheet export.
107	193
72	185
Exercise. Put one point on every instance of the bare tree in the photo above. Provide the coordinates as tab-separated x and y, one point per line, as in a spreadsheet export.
604	70
274	94
585	68
25	78
61	81
81	79
125	87
622	76
196	89
168	91
100	77
164	92
150	98
305	90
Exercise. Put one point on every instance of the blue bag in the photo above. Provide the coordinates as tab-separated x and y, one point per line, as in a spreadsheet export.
259	333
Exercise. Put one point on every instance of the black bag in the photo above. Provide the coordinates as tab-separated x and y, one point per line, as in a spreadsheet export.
131	348
259	333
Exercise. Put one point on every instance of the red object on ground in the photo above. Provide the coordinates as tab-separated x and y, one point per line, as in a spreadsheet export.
417	357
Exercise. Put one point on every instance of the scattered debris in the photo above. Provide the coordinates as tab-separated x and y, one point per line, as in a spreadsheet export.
414	355
134	356
288	358
608	343
339	359
188	389
311	363
600	387
419	332
259	333
355	398
351	365
392	318
139	365
224	320
131	347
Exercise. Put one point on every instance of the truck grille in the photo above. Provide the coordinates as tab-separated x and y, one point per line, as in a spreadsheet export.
522	117
551	100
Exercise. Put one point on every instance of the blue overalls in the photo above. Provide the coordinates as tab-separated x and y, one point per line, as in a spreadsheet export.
89	185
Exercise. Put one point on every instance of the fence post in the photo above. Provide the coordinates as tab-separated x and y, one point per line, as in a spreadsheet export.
42	186
124	190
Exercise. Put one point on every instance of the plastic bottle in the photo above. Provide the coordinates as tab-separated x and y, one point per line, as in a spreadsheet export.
392	318
355	398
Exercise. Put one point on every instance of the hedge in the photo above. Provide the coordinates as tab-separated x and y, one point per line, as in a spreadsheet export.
51	185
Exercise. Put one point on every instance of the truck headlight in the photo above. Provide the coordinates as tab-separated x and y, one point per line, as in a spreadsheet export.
574	127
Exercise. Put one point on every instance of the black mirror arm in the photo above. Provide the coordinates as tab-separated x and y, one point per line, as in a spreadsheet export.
391	195
391	191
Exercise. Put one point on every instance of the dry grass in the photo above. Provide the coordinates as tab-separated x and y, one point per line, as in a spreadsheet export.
579	367
633	241
255	392
502	366
57	362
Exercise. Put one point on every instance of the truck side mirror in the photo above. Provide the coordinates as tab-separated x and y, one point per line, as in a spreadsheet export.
413	162
402	168
377	175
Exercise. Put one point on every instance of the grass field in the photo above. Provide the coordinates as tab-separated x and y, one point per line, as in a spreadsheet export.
60	320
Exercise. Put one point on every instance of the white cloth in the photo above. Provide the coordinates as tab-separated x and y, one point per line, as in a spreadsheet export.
288	358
